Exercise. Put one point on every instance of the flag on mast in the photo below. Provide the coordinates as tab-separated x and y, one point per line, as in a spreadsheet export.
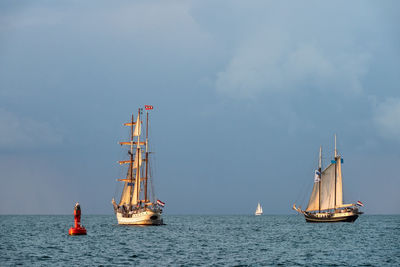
148	107
159	202
359	203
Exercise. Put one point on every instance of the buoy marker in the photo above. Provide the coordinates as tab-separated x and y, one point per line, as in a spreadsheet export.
78	229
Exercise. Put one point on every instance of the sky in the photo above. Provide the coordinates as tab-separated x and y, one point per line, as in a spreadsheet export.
244	94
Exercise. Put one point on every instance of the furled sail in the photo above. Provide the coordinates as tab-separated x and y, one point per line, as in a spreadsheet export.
136	190
138	127
138	159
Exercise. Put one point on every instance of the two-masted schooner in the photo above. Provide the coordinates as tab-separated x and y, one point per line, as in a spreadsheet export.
326	200
135	206
259	210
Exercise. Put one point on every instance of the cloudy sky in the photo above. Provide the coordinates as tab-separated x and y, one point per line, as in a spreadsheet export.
244	92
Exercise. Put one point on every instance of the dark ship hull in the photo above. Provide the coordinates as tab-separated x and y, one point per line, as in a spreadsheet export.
331	217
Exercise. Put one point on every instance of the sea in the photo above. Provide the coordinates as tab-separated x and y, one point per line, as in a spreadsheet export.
198	240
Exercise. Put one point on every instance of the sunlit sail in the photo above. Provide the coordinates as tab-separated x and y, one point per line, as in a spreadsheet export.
326	200
259	210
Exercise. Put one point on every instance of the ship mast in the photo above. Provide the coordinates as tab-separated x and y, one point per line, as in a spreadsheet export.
147	157
320	178
335	148
131	164
335	170
137	183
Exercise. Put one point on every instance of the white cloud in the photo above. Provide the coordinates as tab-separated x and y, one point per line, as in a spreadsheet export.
387	118
16	132
290	49
280	64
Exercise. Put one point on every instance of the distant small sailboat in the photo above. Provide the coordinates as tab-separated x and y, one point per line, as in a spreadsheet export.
259	210
326	200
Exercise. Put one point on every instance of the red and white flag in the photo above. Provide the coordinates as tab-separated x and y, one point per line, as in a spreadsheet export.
148	107
359	203
159	202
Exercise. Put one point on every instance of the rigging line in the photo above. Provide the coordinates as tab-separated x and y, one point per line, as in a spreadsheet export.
306	189
151	171
302	194
153	161
305	194
120	173
118	155
115	191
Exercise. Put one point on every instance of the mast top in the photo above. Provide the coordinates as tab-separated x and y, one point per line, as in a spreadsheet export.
335	148
320	158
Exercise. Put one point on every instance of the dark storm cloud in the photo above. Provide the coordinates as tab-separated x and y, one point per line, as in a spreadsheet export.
244	94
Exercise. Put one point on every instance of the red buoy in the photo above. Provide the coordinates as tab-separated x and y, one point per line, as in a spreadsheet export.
78	229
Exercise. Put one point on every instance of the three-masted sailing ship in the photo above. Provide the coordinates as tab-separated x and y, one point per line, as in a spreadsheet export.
135	206
259	210
326	200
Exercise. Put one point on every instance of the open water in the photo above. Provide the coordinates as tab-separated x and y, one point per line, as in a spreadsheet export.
200	240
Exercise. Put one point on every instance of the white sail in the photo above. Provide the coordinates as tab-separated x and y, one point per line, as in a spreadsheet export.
136	190
126	194
127	190
138	127
327	194
331	175
138	160
138	163
339	186
259	210
313	203
328	187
